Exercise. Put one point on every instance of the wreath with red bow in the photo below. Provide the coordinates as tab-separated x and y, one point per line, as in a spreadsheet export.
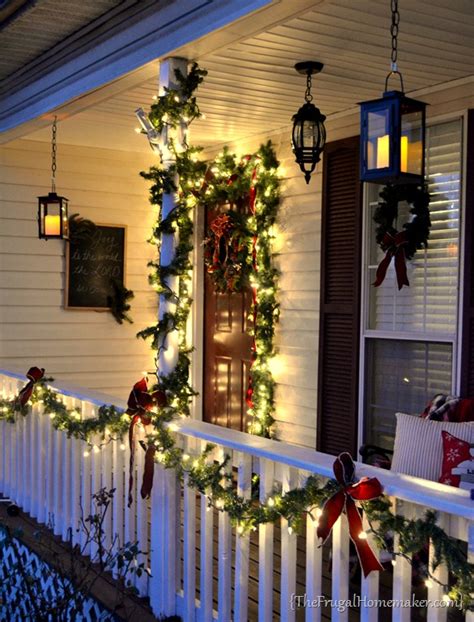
227	252
413	235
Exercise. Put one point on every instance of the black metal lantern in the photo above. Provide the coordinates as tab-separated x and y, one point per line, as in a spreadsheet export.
392	130
52	208
309	133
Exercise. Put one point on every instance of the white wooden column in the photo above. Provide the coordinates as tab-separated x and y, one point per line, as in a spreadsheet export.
168	358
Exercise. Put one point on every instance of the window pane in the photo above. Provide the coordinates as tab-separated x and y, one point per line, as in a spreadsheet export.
401	376
429	305
378	145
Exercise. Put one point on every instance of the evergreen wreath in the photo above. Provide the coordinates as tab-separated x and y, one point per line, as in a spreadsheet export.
227	252
413	235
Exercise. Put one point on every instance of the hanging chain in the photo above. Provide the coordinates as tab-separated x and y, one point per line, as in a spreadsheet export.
308	97
394	33
394	29
53	156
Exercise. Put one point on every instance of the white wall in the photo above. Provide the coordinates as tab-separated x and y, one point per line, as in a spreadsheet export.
87	348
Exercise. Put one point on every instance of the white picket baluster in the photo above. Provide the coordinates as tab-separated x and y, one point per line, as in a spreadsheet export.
66	492
189	547
19	461
8	458
242	541
314	563
76	482
369	588
106	457
39	474
401	586
265	547
340	567
119	499
224	599
435	590
96	468
26	459
288	555
157	541
206	575
49	469
470	559
141	583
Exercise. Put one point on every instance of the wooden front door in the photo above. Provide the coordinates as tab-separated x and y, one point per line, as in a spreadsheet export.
227	352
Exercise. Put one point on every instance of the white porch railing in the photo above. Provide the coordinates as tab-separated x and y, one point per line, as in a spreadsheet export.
201	568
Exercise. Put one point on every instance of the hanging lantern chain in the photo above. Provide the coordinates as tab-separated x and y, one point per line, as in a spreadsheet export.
394	29
394	33
308	97
53	156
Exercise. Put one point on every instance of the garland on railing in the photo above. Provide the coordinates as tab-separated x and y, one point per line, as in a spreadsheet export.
210	477
110	423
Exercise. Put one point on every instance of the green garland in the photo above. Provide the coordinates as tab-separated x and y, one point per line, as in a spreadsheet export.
417	231
110	423
208	476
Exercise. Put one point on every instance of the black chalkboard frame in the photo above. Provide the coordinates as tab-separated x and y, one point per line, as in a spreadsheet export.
69	307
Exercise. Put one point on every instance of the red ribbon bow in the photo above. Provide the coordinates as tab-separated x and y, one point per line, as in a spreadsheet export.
139	403
344	501
34	375
395	248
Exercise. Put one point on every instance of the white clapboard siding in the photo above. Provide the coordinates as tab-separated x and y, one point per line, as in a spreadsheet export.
84	347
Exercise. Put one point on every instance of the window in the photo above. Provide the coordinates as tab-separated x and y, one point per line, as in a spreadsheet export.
409	336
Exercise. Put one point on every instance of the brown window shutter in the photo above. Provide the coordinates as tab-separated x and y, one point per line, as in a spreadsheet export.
340	299
467	334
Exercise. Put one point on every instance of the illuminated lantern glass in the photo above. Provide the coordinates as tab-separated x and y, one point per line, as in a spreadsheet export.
392	139
309	134
53	217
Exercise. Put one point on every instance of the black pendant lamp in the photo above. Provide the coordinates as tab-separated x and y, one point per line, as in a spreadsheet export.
309	133
392	130
52	208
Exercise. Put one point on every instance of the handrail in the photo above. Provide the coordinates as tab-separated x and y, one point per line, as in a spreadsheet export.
71	390
405	487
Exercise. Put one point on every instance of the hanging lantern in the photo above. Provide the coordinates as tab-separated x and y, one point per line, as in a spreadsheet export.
309	133
53	209
392	130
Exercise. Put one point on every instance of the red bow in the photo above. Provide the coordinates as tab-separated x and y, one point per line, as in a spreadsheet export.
344	501
34	375
139	403
394	245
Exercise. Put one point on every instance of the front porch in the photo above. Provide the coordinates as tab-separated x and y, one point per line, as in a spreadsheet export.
307	351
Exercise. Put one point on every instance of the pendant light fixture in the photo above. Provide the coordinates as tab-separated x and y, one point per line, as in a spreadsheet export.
309	133
392	129
53	209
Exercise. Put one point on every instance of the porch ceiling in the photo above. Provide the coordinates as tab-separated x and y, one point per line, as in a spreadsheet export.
252	86
29	29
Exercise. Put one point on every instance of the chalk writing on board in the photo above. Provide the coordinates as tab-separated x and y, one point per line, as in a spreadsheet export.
93	263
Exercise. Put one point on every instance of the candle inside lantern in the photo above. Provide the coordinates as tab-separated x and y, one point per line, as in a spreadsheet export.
52	225
383	152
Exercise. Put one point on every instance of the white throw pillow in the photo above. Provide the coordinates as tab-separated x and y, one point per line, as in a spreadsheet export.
418	448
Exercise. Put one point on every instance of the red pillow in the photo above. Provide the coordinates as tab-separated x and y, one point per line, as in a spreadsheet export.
455	451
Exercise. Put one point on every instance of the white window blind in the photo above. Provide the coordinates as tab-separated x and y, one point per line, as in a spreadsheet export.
409	335
429	305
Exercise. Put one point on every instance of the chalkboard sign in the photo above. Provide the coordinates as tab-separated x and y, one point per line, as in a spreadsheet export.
92	265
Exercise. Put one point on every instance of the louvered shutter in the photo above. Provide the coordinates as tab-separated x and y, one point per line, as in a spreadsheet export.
467	342
340	299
